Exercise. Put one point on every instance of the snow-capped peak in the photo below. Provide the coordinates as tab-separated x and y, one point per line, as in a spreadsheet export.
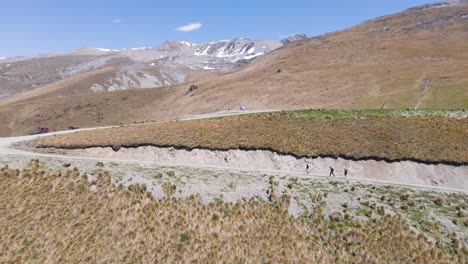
251	56
2	58
141	48
235	49
106	50
187	43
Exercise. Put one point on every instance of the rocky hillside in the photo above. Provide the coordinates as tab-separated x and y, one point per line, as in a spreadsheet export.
172	62
293	38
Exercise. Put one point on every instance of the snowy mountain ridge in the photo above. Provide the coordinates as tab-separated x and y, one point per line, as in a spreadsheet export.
170	63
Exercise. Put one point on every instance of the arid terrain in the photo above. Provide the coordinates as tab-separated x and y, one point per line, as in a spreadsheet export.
83	215
415	59
349	147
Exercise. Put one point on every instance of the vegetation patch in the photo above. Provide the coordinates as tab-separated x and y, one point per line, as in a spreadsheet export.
350	134
56	217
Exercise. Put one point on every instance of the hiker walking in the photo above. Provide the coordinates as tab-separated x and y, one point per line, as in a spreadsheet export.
332	172
307	168
345	172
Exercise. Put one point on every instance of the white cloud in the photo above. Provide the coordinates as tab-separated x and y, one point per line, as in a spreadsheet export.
116	21
189	27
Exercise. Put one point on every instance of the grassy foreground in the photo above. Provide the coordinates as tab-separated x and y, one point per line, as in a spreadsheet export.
62	217
377	134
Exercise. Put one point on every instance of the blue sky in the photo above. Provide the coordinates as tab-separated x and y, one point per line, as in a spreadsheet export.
49	26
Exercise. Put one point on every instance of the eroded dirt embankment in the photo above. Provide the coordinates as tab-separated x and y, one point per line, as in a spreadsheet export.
404	172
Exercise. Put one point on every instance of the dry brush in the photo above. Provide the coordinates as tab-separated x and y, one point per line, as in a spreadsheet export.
434	139
63	217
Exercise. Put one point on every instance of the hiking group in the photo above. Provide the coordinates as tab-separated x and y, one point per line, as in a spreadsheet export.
332	172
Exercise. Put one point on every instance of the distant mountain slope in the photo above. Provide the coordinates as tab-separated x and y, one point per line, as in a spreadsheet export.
414	59
172	62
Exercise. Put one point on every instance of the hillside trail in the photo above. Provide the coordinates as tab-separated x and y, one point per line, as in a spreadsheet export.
427	85
7	149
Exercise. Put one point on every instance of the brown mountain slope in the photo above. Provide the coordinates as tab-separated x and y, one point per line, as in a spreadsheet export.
394	61
79	85
75	85
414	59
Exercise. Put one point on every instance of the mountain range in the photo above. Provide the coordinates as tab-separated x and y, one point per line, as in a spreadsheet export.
415	59
96	70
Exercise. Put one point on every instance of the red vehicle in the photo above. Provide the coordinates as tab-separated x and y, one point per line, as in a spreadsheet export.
73	127
43	130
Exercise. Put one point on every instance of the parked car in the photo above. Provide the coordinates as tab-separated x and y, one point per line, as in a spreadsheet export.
73	127
43	130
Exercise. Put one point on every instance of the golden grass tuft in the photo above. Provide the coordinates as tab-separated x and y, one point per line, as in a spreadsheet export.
56	217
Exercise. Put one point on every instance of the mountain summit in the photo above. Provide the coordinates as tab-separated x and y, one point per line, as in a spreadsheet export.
293	38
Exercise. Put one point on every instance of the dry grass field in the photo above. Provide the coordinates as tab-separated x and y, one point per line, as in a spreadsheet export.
64	217
350	134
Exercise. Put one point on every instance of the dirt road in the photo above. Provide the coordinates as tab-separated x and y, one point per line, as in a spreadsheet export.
6	143
6	149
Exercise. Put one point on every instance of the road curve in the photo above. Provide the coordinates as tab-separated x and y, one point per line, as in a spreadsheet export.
6	143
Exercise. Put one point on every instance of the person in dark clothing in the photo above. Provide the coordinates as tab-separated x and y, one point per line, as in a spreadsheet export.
307	168
332	172
345	172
